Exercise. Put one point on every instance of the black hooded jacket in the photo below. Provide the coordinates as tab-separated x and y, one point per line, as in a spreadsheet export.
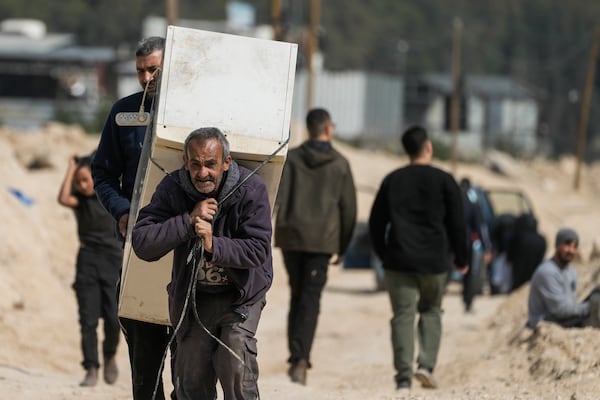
526	249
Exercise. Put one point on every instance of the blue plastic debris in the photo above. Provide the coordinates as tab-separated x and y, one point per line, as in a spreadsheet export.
21	197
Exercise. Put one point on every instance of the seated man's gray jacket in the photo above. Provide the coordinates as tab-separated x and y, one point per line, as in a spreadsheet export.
241	235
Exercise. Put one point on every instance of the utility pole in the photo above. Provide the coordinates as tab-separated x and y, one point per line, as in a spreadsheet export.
585	105
315	16
172	9
457	27
276	19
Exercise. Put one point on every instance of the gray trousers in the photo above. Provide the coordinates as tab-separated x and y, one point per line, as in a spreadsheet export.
411	294
201	361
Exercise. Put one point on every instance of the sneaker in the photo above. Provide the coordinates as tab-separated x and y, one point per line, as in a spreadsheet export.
425	376
403	385
111	371
297	371
468	308
91	377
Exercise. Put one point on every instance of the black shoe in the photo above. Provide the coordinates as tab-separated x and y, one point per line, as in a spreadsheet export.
403	385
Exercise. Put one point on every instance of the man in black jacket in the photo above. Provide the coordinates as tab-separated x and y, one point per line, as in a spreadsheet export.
114	168
416	222
315	219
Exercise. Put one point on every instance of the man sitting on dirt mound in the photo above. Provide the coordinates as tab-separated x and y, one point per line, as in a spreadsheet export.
553	291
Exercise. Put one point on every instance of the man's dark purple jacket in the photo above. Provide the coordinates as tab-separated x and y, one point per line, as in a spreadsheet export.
241	235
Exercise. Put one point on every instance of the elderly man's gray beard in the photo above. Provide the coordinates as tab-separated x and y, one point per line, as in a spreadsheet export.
228	181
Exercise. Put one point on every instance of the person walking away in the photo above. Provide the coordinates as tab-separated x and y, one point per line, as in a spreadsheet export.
526	250
97	270
499	269
477	235
114	169
316	215
416	222
220	212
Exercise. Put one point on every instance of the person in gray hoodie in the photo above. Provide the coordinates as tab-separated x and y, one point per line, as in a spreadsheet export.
216	217
316	214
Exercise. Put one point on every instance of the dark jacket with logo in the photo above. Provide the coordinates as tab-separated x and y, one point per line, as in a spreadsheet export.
316	201
241	235
115	164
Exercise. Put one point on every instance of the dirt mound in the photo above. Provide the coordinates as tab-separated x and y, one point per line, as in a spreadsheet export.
37	250
550	355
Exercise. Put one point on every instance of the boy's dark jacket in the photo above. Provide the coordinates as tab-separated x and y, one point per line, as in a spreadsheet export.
241	235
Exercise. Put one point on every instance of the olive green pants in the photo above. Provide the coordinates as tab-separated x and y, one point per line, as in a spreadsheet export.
411	294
